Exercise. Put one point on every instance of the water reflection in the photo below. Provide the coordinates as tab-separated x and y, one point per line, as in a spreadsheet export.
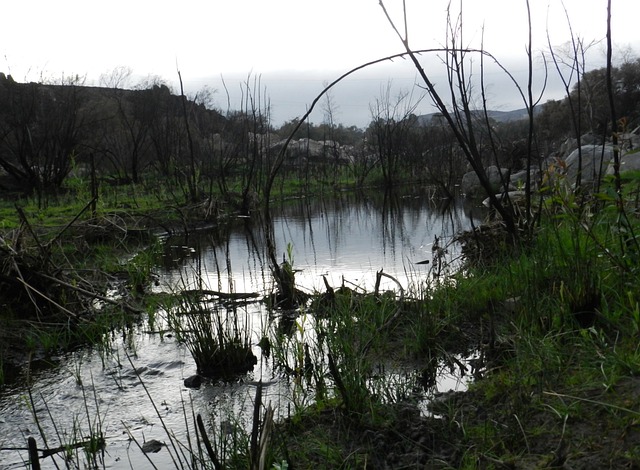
350	238
346	239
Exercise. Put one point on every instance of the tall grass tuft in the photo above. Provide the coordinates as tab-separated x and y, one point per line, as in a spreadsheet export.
217	337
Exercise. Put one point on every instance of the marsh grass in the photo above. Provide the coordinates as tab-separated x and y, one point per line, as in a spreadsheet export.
81	446
218	338
555	320
564	351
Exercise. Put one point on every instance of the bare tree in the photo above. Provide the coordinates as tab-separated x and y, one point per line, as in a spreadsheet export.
330	109
119	77
460	115
389	131
41	129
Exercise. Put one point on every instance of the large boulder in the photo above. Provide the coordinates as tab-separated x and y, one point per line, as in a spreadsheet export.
567	147
312	150
629	161
595	161
472	188
518	180
630	140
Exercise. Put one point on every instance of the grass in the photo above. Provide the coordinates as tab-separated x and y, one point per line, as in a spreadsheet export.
219	339
555	320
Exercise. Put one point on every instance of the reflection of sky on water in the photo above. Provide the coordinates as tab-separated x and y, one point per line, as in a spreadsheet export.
351	239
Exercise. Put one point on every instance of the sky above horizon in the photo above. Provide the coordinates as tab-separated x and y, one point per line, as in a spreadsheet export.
290	49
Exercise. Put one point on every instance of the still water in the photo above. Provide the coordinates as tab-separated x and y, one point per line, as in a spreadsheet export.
132	390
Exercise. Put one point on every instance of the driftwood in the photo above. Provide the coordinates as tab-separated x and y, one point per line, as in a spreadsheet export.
93	295
34	457
222	295
393	318
30	268
327	301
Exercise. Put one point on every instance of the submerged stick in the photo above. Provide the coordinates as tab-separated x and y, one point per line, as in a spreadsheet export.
395	315
223	295
33	454
207	443
64	448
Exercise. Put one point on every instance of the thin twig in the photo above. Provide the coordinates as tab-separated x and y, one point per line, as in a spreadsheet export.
207	443
93	295
66	227
595	402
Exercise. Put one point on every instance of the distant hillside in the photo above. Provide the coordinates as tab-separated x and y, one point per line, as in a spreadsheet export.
498	116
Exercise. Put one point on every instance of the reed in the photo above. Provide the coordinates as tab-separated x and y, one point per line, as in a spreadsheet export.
218	338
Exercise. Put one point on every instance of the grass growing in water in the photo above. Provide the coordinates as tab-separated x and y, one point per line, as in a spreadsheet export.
556	321
218	338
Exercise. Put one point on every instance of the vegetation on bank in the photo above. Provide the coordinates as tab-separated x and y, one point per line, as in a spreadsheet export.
544	316
550	323
552	326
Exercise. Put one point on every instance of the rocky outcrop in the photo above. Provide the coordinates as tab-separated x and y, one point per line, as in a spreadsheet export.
629	161
472	188
594	159
590	162
314	150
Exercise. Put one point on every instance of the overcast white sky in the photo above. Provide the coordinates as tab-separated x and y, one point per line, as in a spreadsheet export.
294	46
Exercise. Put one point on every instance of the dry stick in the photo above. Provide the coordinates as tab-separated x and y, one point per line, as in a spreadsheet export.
207	443
465	141
23	218
265	436
256	427
93	294
44	250
33	453
192	178
30	289
393	317
66	227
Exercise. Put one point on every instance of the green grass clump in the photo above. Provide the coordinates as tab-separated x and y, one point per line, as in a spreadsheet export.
555	320
219	340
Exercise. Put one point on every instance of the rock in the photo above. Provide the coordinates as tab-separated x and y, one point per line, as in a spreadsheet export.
567	147
193	382
518	180
628	162
630	140
472	188
152	446
515	197
595	160
591	139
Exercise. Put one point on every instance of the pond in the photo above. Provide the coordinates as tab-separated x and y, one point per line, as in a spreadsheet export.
132	390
